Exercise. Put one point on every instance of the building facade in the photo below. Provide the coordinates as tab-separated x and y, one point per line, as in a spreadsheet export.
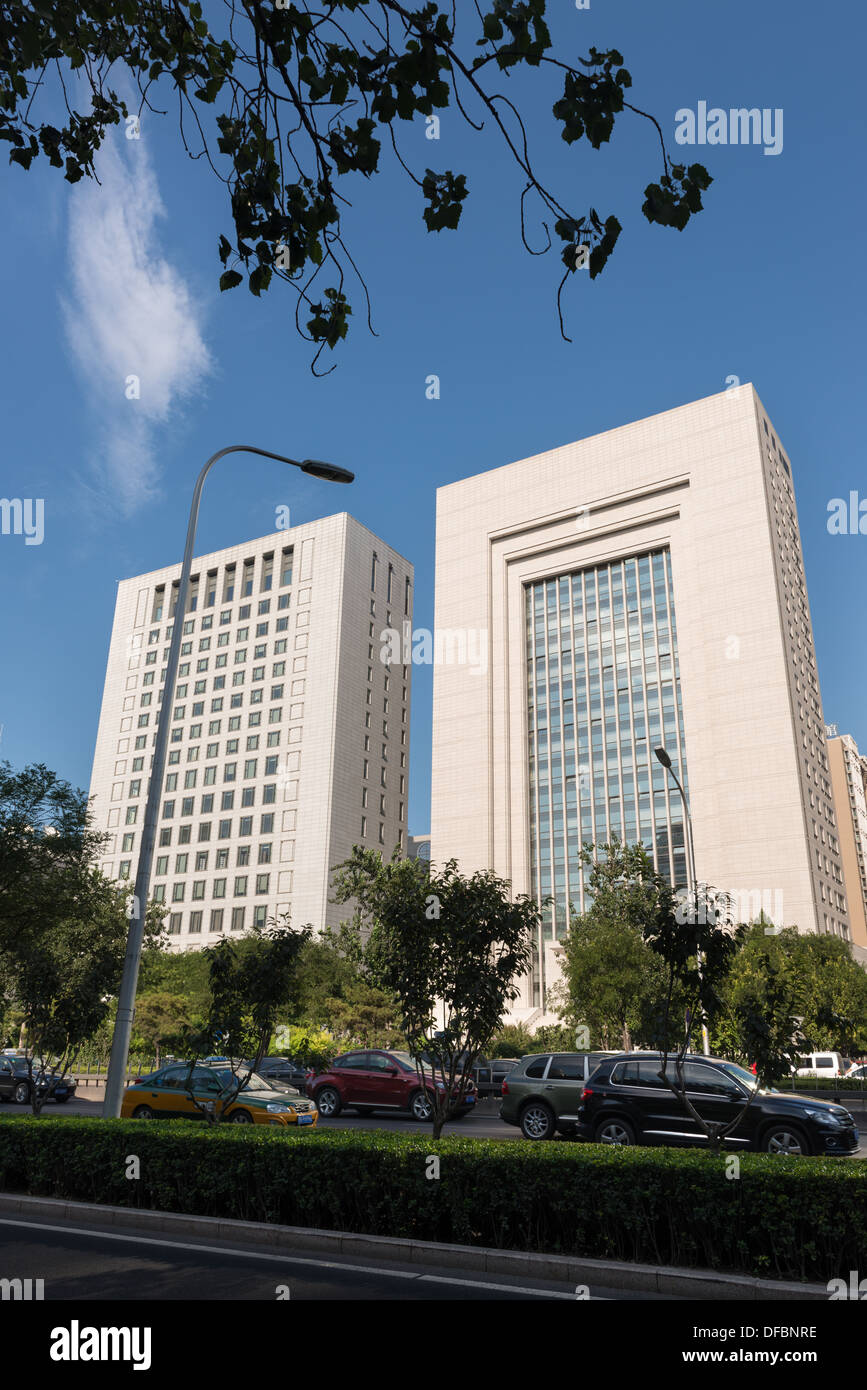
289	734
641	587
849	782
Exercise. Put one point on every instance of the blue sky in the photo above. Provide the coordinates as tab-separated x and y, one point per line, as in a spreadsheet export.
768	284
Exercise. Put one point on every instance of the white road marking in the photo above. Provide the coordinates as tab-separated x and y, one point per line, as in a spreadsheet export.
282	1259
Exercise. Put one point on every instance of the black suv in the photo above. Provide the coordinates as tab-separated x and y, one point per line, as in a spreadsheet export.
625	1102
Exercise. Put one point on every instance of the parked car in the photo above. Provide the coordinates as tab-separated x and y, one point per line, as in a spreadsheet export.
625	1102
489	1076
284	1072
165	1094
16	1083
541	1095
371	1080
823	1064
857	1072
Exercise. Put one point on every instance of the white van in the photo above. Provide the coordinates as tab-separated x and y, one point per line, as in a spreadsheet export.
823	1064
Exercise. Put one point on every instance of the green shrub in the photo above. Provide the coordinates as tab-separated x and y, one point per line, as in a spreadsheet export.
799	1218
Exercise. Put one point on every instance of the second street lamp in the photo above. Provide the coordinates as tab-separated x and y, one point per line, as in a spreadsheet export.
329	472
664	758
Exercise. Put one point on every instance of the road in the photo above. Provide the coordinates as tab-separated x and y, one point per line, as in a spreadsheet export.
85	1262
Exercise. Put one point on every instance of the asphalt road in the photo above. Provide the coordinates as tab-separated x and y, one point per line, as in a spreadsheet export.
80	1262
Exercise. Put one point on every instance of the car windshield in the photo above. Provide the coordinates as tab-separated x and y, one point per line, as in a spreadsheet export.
747	1078
249	1080
404	1059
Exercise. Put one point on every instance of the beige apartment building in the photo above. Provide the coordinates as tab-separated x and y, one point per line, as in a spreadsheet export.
289	736
641	587
849	782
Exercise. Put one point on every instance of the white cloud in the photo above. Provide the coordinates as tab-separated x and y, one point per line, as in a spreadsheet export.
127	312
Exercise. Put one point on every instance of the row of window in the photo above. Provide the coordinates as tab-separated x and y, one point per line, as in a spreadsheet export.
270	568
233	919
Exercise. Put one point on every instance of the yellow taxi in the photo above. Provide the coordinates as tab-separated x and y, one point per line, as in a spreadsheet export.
176	1092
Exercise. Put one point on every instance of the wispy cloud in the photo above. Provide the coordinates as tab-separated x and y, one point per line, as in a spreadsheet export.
128	314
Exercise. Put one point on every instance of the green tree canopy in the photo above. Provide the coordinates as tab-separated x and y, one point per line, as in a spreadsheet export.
449	947
284	100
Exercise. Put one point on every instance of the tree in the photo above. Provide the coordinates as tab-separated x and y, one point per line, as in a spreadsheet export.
450	948
61	972
250	983
788	994
512	1041
47	848
334	993
299	97
63	926
160	1019
696	949
613	980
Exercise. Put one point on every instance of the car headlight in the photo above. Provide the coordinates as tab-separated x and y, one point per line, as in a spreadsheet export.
823	1118
277	1109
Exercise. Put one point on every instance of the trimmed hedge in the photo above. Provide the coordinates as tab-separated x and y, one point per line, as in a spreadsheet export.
798	1218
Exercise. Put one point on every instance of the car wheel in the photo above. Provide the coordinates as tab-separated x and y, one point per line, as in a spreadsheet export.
421	1106
21	1094
783	1138
143	1112
537	1121
328	1102
614	1132
241	1117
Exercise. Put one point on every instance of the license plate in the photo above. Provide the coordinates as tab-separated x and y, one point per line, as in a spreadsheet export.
471	1100
60	1090
305	1119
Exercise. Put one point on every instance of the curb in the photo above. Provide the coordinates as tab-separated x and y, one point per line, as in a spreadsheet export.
613	1274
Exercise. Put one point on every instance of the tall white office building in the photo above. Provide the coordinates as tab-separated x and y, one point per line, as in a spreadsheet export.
641	587
289	735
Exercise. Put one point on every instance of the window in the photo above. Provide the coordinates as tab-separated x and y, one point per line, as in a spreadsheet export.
237	919
243	858
241	886
265	854
219	888
216	919
222	859
262	881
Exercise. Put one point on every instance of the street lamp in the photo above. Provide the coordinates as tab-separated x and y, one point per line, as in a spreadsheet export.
663	757
114	1085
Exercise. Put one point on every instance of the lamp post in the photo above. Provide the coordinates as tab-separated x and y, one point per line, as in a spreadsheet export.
663	757
126	998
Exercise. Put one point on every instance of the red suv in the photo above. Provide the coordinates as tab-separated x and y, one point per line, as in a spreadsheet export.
373	1080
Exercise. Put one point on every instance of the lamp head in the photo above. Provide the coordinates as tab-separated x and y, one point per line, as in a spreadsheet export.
330	472
663	757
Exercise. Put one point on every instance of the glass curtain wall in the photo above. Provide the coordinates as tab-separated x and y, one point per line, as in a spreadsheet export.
603	690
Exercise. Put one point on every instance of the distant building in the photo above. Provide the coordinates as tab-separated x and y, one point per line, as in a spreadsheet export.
418	847
289	736
645	586
849	780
